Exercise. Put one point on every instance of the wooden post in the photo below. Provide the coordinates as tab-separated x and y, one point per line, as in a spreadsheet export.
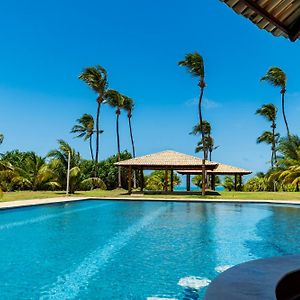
188	182
203	177
172	180
213	182
142	180
241	182
235	182
166	181
129	180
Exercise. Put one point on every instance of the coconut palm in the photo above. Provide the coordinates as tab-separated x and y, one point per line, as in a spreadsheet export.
269	112
276	77
288	170
195	65
210	143
206	144
115	100
85	129
128	106
35	174
96	79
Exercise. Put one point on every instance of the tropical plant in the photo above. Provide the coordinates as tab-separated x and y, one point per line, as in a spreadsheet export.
59	165
288	171
156	180
276	77
108	172
257	184
269	112
197	180
195	65
96	79
85	129
128	106
207	145
228	183
115	100
34	174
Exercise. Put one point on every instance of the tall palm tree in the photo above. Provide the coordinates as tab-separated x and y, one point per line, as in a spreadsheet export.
96	79
269	112
276	77
195	65
85	129
128	106
115	100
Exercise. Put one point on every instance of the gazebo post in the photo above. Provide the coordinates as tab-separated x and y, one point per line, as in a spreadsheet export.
129	179
213	182
188	182
172	180
203	177
235	182
241	182
166	180
142	180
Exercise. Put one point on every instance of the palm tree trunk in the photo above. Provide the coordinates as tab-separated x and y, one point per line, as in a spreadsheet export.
203	141
91	148
119	149
131	137
283	112
274	158
97	138
133	149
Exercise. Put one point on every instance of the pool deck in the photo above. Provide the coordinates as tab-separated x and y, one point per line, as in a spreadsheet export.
43	201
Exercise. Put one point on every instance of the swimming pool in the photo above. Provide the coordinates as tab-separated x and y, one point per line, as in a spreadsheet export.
135	250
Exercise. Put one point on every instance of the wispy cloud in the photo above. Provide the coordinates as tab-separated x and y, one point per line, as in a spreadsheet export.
207	103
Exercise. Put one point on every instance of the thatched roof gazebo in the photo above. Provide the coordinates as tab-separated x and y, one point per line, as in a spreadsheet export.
280	17
165	160
221	169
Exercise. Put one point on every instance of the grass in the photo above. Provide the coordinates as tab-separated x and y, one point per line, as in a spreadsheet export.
120	193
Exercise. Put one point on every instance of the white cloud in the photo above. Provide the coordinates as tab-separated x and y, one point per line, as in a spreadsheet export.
207	103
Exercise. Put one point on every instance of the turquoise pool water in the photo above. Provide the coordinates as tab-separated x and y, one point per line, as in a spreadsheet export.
135	250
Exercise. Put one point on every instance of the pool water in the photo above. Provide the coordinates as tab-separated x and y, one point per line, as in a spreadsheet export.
135	250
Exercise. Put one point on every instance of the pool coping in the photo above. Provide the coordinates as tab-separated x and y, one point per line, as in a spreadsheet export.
44	201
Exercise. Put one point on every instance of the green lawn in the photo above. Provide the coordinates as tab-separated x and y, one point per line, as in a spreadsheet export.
119	193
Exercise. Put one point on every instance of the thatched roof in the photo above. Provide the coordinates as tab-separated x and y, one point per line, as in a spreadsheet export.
221	169
167	160
280	17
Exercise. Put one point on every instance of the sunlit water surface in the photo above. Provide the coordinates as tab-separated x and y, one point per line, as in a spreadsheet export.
135	250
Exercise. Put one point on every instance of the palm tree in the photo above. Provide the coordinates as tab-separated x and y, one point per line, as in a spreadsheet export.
276	77
195	65
1	138
115	99
85	129
288	171
96	79
128	106
269	112
206	143
35	174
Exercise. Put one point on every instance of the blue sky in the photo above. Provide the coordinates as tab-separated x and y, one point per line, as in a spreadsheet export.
45	45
